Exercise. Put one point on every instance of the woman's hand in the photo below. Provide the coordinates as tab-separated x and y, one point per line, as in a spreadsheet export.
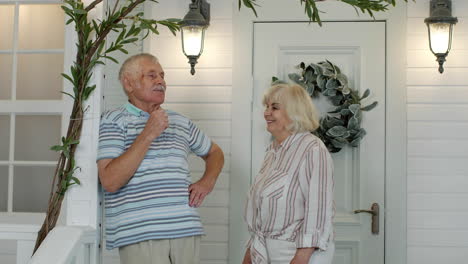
302	255
247	259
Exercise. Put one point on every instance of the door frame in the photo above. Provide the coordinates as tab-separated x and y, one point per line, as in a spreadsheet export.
242	95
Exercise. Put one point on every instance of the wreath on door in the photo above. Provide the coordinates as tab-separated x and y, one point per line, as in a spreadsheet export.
341	126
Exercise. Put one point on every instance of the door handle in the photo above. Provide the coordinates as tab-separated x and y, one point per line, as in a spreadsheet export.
374	211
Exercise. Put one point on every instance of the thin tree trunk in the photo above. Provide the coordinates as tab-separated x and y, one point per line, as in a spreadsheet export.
63	167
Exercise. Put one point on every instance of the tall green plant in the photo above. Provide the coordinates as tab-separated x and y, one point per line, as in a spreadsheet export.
92	50
310	7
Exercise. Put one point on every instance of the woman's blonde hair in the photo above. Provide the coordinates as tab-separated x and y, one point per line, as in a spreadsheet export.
298	105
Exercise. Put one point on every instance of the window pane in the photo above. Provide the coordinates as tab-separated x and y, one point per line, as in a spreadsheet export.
31	188
7	14
41	27
3	188
34	135
39	77
4	136
6	60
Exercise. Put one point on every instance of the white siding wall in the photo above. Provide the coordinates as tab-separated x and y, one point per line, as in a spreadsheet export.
437	143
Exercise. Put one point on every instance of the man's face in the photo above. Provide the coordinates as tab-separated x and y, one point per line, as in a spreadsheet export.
148	87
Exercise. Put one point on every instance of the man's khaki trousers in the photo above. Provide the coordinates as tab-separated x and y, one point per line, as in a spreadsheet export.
184	250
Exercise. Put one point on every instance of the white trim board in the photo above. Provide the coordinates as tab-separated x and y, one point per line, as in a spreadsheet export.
242	87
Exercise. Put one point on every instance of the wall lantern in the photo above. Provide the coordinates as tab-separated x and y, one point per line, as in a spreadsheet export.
440	27
193	30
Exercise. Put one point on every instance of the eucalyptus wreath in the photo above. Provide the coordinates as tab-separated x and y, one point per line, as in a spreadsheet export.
342	125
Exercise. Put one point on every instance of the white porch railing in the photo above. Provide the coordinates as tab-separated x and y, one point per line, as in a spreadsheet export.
20	229
63	245
68	244
25	237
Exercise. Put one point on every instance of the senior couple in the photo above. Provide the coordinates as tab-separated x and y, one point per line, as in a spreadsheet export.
150	200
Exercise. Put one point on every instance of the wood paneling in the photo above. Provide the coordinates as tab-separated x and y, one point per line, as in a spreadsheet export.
437	143
438	148
193	94
438	112
437	255
437	130
437	94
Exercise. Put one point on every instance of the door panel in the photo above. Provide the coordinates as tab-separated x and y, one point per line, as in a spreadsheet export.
358	48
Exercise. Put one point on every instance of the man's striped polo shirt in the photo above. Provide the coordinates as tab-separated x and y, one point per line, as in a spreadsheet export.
154	203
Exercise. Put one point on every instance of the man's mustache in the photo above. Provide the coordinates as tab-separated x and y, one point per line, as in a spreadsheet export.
160	87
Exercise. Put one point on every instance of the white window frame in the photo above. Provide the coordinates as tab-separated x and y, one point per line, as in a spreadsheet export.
14	107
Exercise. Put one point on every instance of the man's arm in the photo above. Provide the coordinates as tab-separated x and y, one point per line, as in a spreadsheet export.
214	162
115	173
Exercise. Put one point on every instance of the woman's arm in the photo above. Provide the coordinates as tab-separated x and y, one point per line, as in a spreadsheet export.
247	258
317	184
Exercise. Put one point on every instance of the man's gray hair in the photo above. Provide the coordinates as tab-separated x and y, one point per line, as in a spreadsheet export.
132	67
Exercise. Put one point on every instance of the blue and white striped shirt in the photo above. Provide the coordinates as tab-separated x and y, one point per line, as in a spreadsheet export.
154	203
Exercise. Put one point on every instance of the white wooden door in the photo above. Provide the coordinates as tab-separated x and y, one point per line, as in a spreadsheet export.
358	48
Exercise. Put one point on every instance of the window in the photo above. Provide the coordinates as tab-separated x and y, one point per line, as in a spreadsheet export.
31	105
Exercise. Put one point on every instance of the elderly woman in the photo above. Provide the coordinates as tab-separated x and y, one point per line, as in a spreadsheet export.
290	207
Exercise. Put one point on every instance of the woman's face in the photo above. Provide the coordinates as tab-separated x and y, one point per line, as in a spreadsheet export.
277	120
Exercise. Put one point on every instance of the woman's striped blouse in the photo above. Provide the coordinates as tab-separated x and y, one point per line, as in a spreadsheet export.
292	196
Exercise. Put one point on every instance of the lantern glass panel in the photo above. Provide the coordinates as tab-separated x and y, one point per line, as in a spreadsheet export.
192	38
440	37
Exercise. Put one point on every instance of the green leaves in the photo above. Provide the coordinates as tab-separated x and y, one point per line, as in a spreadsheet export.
65	148
67	177
171	24
337	131
249	4
354	108
295	77
369	107
80	11
366	94
313	13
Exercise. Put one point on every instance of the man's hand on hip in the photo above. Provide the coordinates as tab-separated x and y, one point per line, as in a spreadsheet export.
214	161
198	191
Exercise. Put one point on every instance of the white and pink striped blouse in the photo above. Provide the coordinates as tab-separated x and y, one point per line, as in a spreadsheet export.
292	196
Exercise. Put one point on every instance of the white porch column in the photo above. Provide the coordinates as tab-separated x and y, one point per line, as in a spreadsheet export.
82	203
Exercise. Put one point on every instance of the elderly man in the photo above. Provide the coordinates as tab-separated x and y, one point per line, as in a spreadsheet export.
151	213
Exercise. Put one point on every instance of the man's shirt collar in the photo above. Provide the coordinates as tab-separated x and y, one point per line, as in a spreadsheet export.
135	110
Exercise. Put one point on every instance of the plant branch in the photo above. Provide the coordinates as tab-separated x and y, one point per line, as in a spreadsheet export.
106	30
115	6
92	5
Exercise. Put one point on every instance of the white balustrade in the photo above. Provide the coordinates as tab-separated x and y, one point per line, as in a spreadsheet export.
66	245
63	245
20	228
